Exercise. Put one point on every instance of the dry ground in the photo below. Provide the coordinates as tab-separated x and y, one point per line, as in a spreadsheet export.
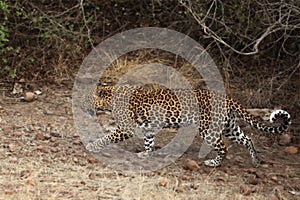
41	157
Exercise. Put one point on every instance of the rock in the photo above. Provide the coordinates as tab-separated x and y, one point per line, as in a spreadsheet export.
253	181
75	160
266	166
8	192
192	165
29	96
285	139
18	134
53	139
77	142
47	136
260	174
162	183
184	177
274	178
55	134
40	148
39	136
92	176
92	160
291	150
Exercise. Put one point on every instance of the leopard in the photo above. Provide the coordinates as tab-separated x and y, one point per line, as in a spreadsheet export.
215	115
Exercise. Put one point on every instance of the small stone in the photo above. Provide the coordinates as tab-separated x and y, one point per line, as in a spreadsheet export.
18	134
75	160
151	174
39	136
274	178
48	112
92	160
252	170
162	183
184	177
40	148
53	139
285	139
260	174
192	165
55	134
253	181
29	96
77	142
47	136
264	166
92	176
8	192
64	159
291	150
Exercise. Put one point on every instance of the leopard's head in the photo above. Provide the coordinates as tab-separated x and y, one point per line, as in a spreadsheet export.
102	96
98	99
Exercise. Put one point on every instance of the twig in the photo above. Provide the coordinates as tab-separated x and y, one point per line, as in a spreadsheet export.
276	26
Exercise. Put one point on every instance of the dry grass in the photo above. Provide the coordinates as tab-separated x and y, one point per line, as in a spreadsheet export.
32	178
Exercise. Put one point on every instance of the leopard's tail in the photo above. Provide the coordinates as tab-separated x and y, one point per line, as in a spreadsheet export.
275	115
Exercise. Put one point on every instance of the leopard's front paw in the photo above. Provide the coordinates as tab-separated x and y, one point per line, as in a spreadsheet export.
212	163
91	147
256	162
144	154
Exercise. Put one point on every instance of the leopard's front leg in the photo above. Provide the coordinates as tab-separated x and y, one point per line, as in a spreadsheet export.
115	137
149	138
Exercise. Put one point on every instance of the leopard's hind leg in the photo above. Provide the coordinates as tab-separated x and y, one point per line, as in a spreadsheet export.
215	141
234	132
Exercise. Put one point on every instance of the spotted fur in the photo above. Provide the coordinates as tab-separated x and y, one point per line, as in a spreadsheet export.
150	109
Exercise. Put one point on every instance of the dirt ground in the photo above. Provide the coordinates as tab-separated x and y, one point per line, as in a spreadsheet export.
42	157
